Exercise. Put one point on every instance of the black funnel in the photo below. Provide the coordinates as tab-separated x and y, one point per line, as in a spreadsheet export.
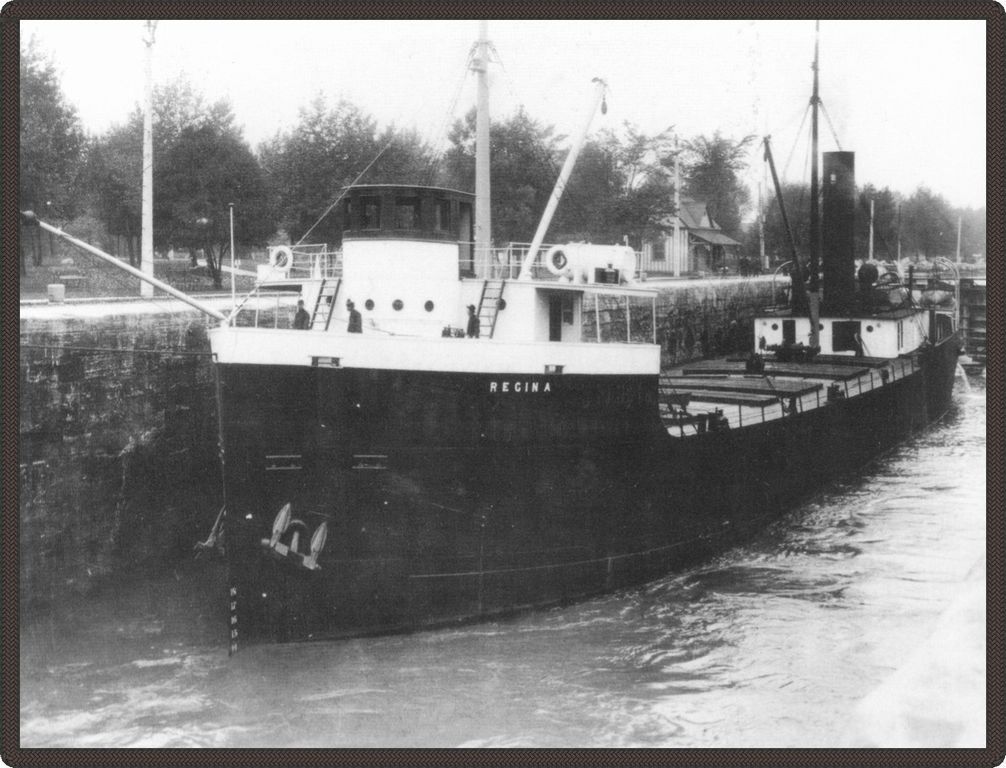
838	225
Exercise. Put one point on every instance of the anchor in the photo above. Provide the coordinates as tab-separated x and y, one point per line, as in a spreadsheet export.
285	524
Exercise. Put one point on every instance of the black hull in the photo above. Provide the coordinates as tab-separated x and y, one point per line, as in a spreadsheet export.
448	500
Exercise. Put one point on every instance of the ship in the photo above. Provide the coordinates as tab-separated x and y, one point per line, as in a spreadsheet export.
422	430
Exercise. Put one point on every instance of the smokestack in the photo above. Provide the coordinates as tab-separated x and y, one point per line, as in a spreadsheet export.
838	224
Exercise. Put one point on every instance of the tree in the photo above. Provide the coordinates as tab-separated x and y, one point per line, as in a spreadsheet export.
885	224
307	168
711	172
973	226
617	187
206	169
403	158
620	187
929	226
115	160
522	164
113	172
51	143
796	199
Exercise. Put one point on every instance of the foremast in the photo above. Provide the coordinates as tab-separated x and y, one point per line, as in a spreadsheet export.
813	284
483	213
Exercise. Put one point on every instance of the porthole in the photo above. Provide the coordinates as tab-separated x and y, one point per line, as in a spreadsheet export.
501	304
869	329
428	306
369	304
775	326
397	305
820	326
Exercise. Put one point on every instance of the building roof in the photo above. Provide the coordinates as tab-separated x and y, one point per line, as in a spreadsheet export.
694	217
712	236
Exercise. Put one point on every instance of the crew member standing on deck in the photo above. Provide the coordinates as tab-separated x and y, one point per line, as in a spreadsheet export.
302	320
355	322
473	323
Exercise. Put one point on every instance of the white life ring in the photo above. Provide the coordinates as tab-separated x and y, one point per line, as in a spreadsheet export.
281	257
556	260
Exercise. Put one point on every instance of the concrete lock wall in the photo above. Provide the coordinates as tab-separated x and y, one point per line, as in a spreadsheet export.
119	471
118	442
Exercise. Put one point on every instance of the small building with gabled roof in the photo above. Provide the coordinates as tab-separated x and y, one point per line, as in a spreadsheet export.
702	247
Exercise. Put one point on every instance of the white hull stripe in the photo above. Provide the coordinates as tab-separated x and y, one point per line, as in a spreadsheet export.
262	346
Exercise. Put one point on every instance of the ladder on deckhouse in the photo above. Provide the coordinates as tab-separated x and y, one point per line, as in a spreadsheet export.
324	307
489	306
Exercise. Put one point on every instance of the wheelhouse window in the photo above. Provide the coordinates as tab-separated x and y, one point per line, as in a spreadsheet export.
347	213
442	215
407	213
466	231
370	209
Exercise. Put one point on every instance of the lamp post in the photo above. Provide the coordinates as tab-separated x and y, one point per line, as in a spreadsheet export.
203	223
234	292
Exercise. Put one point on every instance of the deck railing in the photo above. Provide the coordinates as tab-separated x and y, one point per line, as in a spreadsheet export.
749	415
315	260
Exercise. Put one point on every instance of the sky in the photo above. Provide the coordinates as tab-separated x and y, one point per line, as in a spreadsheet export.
907	96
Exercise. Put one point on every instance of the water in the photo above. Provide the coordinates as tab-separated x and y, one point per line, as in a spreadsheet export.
771	644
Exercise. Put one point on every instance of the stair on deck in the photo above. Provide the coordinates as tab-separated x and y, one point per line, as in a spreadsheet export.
492	293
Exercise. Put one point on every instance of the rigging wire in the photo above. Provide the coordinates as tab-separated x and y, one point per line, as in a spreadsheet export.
796	141
384	149
440	139
834	135
342	193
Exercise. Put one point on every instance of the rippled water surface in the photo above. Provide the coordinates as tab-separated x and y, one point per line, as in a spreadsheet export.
771	644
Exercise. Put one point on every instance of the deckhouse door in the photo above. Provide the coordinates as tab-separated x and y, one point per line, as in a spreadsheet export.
555	317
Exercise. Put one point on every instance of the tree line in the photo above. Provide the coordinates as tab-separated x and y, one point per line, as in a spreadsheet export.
920	226
622	187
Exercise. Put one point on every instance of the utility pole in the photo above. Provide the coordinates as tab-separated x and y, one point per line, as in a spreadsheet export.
147	222
871	229
761	227
899	234
677	212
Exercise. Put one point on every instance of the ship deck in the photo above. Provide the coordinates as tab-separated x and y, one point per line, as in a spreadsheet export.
721	394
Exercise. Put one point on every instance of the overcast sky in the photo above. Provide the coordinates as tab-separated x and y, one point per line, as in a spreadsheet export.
907	96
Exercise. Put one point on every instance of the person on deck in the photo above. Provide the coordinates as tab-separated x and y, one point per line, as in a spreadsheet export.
473	323
302	320
355	322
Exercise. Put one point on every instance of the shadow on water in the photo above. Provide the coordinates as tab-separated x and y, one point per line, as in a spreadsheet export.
770	644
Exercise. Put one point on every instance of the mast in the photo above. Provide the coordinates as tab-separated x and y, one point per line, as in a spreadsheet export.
483	216
147	222
813	285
